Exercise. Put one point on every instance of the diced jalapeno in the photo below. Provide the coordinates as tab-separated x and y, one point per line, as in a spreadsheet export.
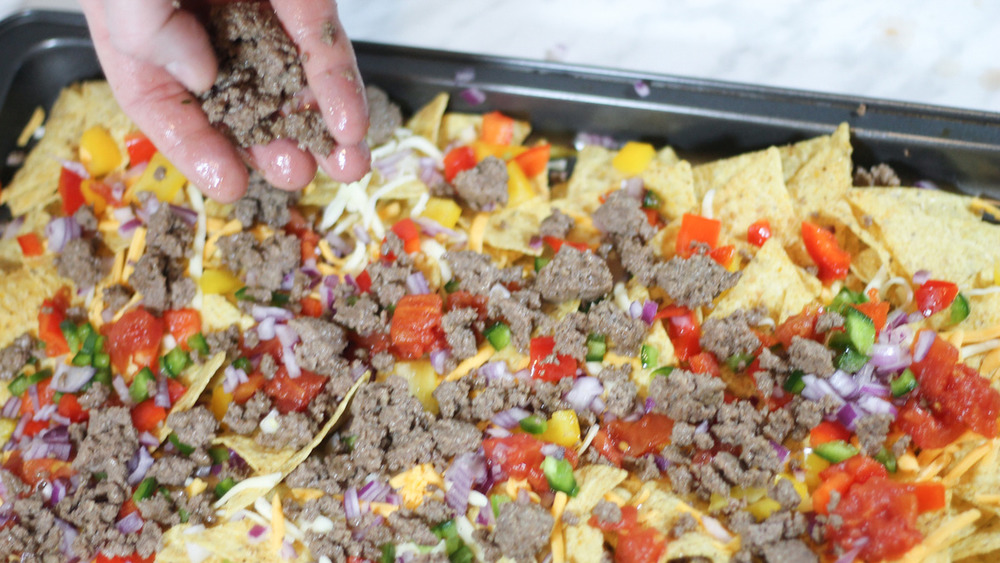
794	383
498	335
388	553
650	200
860	329
39	376
959	309
224	487
88	339
664	371
71	334
82	359
176	360
243	363
835	451
596	347
540	262
184	515
143	384
198	343
496	501
903	384
145	489
103	375
241	294
451	286
649	356
219	454
102	360
850	360
19	385
534	424
559	474
462	555
736	362
181	446
886	458
448	531
845	298
279	299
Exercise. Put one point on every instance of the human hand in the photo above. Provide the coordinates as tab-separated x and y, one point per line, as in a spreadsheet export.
153	53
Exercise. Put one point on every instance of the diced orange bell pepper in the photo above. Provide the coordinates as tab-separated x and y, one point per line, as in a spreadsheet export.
832	261
497	129
695	228
30	245
535	160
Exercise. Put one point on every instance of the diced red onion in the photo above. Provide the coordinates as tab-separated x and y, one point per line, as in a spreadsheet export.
715	528
649	309
55	435
535	242
509	418
847	415
76	168
438	360
875	389
875	405
499	291
162	397
887	358
142	466
361	234
11	407
473	96
920	277
584	139
358	370
261	312
60	231
286	335
497	432
12	228
641	88
256	534
189	216
635	309
895	319
265	330
33	396
432	228
148	440
553	450
465	75
69	533
121	389
817	388
288	551
338	245
58	491
483	518
287	281
69	379
232	377
923	345
597	406
309	269
584	391
126	228
19	429
852	554
782	451
352	508
147	209
495	371
417	284
843	384
373	491
326	296
130	524
633	187
701	428
464	471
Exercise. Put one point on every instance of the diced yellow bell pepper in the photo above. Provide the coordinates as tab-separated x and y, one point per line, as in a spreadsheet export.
219	403
7	427
633	158
98	151
752	494
444	212
503	152
763	508
161	178
218	282
519	187
93	198
422	379
813	465
800	488
717	502
563	429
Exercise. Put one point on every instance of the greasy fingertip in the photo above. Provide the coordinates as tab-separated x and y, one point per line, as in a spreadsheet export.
340	93
348	163
283	164
223	181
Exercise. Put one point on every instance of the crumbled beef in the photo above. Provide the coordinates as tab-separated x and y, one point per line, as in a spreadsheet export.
621	217
159	509
784	492
453	398
779	424
172	470
709	480
901	444
736	422
452	437
243	419
695	281
168	234
85	217
685	523
691	397
457	325
34	533
383	362
484	187
624	333
807	414
810	357
571	336
731	335
331	544
521	318
476	273
771	361
872	430
109	445
620	391
522	530
607	512
639	260
326	402
789	551
644	467
730	468
15	356
259	89
359	314
881	175
557	225
263	203
116	297
227	341
321	343
93	510
268	366
384	117
388	281
94	397
408	526
80	262
574	274
262	264
162	282
681	479
827	321
195	427
295	430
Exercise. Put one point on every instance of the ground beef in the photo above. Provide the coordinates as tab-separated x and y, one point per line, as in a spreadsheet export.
172	470
94	397
695	281
227	341
571	336
574	274
34	534
268	366
620	217
872	430
116	297
384	117
772	362
93	510
731	335
789	551
827	321
320	345
453	398
85	217
784	492
244	419
691	397
623	333
807	414
262	264
168	234
79	261
522	530
644	467
734	472
484	187
264	203
295	430
557	225
639	260
162	282
15	356
476	273
779	424
110	443
736	423
457	325
522	319
810	357
388	280
878	175
454	438
620	391
195	427
260	76
360	314
607	512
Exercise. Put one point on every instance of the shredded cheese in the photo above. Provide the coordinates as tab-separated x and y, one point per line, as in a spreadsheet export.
418	207
135	250
195	488
327	253
470	364
357	259
970	459
477	230
876	281
383	509
514	486
302	495
901	282
991	364
277	524
987	499
941	538
594	429
413	483
707	207
935	467
369	217
980	348
260	482
421	144
908	463
982	291
136	298
974	336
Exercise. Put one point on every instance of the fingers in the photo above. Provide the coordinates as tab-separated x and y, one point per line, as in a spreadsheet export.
330	66
347	163
155	32
168	114
283	164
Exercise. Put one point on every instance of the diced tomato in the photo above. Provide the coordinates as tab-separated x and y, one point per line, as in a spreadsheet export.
146	416
541	348
520	457
271	347
535	160
294	393
828	431
364	281
802	325
934	296
930	495
457	160
695	228
183	324
724	255
98	194
308	243
927	429
34	471
652	216
136	338
877	311
140	148
409	232
69	191
70	407
882	513
671	311
639	546
300	227
128	507
415	328
245	390
647	435
557	243
33	427
311	307
684	332
462	299
45	397
31	245
704	362
759	232
497	129
841	476
134	558
50	316
832	261
175	390
604	445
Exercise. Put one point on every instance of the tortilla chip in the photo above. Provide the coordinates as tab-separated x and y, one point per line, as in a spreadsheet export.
217	314
584	544
985	539
465	127
593	176
931	230
513	228
427	121
196	379
771	281
674	184
226	542
21	296
693	545
594	481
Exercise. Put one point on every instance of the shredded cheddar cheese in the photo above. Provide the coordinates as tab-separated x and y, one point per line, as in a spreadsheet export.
413	483
277	523
935	467
557	543
135	250
36	121
477	230
941	538
303	495
965	464
470	364
196	487
383	509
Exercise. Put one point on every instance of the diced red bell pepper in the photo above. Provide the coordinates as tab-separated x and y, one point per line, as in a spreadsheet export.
364	281
684	332
245	390
140	148
934	296
557	243
723	255
535	160
146	416
30	245
135	337
704	362
69	191
457	160
50	316
695	228
294	393
833	262
409	232
175	390
497	129
828	431
541	348
311	307
70	407
759	232
183	324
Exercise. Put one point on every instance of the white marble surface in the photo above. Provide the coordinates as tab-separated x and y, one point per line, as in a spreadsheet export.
926	51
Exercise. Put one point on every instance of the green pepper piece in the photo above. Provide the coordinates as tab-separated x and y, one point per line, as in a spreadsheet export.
664	371
596	347
88	339
959	309
243	363
498	335
839	341
794	383
19	385
99	345
533	424
886	458
39	376
448	531
451	286
835	451
496	501
177	360
145	489
349	441
462	555
648	355
181	446
224	486
845	298
559	474
241	295
142	386
71	334
198	343
56	396
184	515
82	359
279	299
388	553
851	360
860	329
219	454
736	362
102	360
650	200
103	375
541	262
903	384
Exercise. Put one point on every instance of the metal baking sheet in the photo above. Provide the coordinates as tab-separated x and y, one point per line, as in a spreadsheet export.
41	52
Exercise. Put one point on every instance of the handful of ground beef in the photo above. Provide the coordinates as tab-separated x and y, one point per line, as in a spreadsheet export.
261	85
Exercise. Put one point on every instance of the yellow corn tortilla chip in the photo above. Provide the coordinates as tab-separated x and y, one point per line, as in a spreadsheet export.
931	230
225	542
427	121
21	296
694	545
584	544
771	281
219	314
985	539
594	481
674	184
196	379
513	228
465	128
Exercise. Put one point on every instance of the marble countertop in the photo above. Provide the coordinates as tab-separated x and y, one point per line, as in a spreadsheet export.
923	51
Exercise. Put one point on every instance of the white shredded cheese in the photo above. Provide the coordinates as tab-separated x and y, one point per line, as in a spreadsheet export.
261	482
321	525
477	498
901	282
168	342
980	348
707	204
594	429
269	424
384	150
196	263
357	259
877	279
369	218
418	143
465	531
768	322
418	207
352	195
324	559
982	291
196	553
